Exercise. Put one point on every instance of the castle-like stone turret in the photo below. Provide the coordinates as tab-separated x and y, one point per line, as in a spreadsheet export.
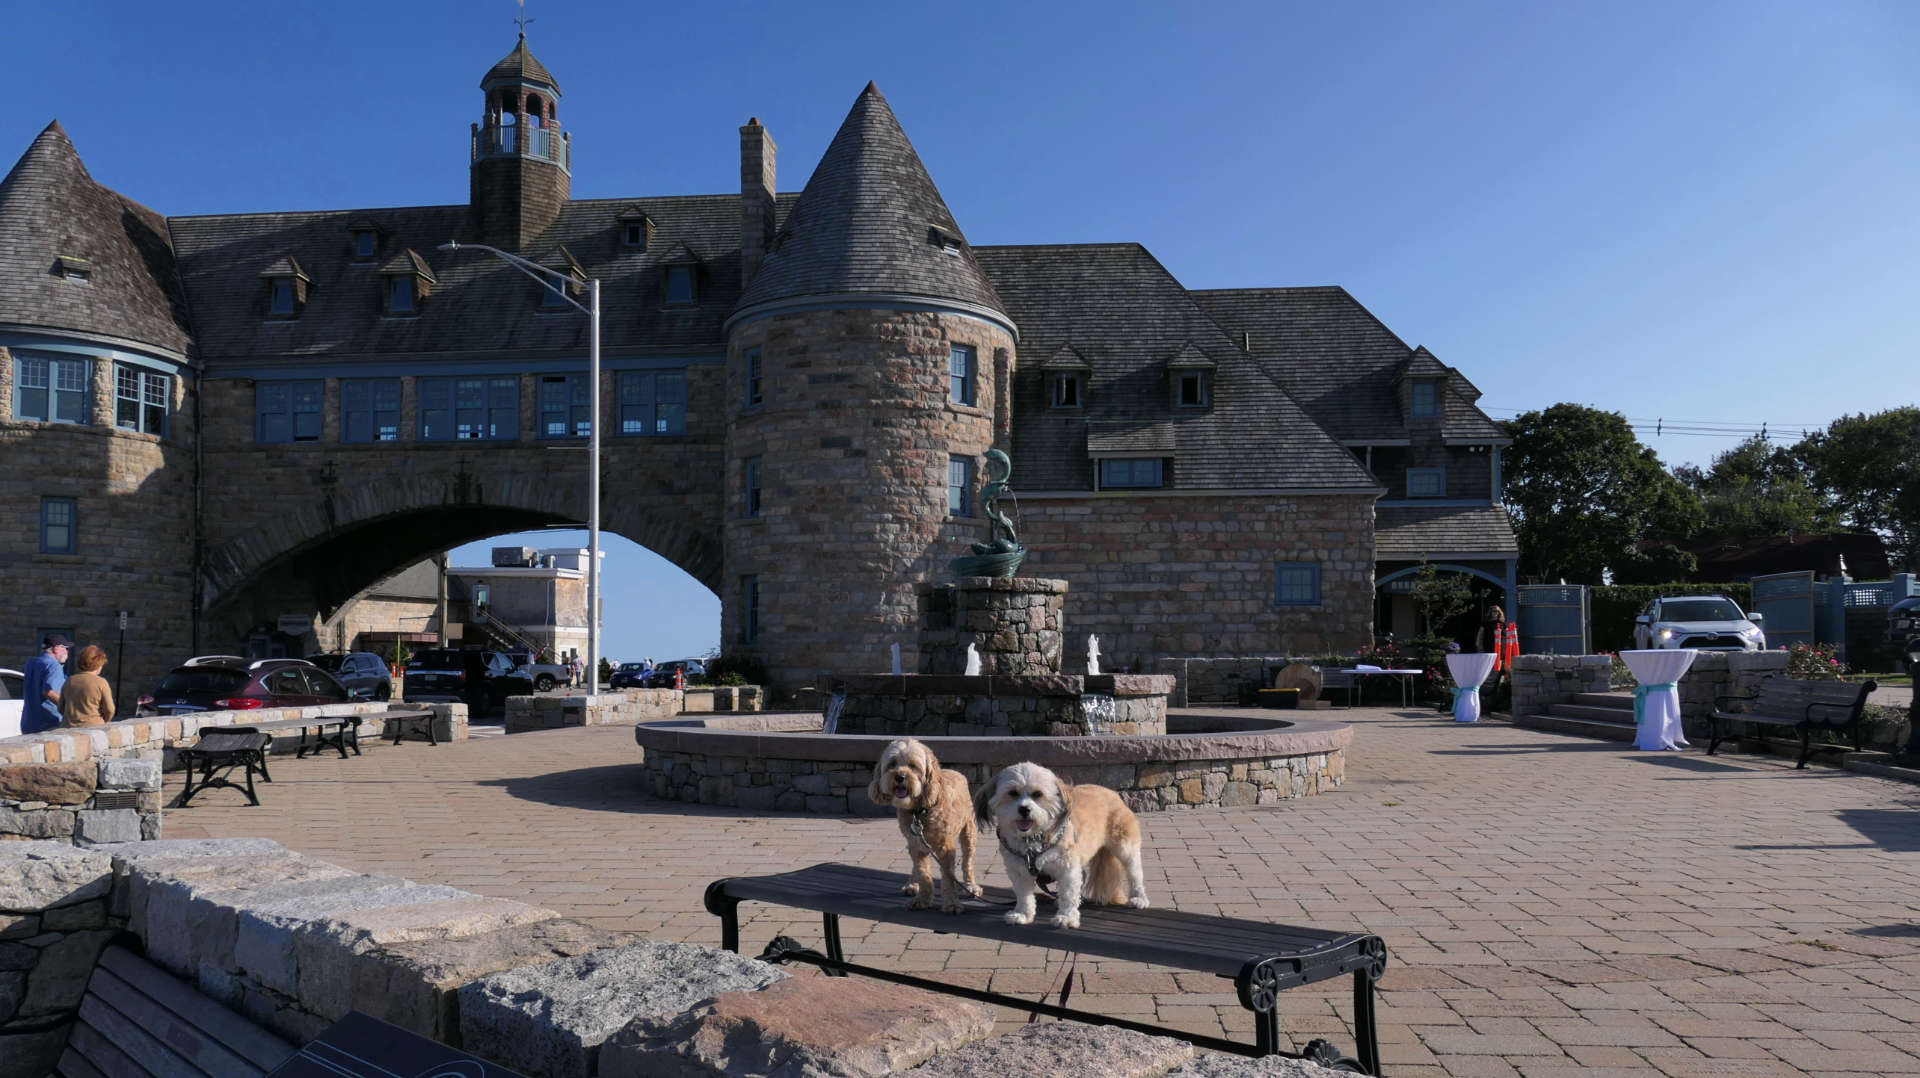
868	365
521	173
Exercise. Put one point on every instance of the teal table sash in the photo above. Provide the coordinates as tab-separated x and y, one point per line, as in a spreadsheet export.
1640	694
1462	691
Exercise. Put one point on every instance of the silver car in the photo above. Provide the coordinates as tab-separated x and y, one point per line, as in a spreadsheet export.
1707	622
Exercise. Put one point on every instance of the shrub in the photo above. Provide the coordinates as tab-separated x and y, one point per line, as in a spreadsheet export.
1814	662
736	669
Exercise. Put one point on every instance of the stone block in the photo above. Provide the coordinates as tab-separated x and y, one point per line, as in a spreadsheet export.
1060	1050
32	1053
13	989
124	773
56	784
803	1026
18	926
55	983
326	952
95	827
269	920
549	1020
38	875
36	823
1217	1065
82	915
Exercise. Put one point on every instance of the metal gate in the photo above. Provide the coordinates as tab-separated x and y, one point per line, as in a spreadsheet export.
1553	619
1786	601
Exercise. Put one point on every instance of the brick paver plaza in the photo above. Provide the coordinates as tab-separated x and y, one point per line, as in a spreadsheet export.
1553	905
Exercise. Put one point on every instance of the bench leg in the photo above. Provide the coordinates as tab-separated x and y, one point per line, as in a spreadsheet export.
1715	735
253	798
830	928
1806	747
186	789
1366	1033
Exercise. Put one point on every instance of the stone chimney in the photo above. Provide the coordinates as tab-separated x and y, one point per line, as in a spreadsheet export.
756	197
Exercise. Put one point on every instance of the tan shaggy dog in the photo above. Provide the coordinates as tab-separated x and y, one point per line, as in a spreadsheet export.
936	818
1083	838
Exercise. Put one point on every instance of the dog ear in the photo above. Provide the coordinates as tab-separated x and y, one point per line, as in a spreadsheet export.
876	789
983	802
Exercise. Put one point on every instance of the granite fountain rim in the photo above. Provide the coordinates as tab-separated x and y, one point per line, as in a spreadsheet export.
994	686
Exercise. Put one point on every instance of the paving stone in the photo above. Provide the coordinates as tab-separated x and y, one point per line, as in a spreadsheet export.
1060	1050
806	1027
36	875
1219	1065
549	1020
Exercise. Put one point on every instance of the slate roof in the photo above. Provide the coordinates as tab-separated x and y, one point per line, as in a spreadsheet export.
1120	311
50	207
1341	362
868	222
1419	531
520	66
478	304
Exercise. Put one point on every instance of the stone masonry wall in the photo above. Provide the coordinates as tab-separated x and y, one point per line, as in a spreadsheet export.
1014	625
1540	681
624	708
854	434
1155	577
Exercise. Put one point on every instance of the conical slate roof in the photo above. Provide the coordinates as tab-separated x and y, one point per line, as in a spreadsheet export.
520	66
870	222
50	209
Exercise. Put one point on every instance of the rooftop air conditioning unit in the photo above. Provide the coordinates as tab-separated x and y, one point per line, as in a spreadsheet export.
512	557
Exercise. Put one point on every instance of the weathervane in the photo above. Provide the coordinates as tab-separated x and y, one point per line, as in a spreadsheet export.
522	21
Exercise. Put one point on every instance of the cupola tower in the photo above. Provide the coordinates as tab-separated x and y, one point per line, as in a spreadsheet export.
520	174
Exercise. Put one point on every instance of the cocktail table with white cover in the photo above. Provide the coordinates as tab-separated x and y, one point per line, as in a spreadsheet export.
1469	669
1656	702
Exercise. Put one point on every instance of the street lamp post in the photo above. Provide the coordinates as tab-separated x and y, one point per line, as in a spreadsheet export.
592	311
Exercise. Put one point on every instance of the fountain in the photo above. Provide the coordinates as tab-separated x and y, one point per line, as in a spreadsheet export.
990	691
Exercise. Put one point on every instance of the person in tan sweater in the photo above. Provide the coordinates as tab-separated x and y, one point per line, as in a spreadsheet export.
85	700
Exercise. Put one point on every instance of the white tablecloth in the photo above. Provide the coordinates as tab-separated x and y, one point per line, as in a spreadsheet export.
1469	670
1656	703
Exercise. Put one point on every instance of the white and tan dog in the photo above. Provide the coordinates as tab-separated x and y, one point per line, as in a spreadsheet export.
932	807
1083	838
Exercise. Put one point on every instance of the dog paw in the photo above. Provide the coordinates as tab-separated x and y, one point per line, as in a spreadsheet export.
1015	917
974	890
950	906
1138	902
920	902
910	889
1067	920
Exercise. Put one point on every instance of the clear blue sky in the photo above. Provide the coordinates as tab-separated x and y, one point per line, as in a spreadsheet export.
1702	212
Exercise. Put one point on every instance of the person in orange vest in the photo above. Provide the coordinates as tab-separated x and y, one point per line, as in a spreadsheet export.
1499	636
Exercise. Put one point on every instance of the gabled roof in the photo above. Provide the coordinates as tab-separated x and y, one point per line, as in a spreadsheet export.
1126	316
1341	362
519	66
408	261
869	222
1415	532
50	208
285	266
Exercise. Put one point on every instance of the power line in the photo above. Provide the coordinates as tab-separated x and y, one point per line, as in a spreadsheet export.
1766	430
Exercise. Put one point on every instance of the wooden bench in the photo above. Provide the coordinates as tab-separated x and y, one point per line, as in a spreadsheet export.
1805	706
218	752
137	1019
409	722
1261	959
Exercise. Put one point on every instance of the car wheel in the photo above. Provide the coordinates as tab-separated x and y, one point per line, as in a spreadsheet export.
543	683
383	691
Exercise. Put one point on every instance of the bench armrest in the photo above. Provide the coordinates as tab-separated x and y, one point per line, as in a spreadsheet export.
1720	702
1854	711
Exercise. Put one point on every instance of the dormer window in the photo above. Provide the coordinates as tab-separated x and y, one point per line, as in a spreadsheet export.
1066	389
71	268
636	229
555	294
1425	400
1192	375
679	284
287	288
280	303
365	239
1066	373
408	280
947	241
400	299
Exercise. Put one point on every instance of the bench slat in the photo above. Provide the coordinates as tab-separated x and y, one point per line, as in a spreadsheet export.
230	1030
146	1053
198	1051
89	1055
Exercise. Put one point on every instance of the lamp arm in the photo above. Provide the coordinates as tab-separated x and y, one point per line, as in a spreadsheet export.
524	266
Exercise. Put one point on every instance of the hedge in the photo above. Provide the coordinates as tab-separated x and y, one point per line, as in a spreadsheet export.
1614	606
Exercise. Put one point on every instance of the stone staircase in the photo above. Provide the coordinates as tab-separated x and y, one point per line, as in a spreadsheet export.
1606	715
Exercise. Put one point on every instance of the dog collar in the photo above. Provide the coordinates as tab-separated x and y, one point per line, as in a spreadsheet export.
917	827
1032	849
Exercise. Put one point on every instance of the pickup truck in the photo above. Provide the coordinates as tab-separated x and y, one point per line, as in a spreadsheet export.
544	675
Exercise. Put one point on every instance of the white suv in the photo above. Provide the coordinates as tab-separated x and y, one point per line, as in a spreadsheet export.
1707	622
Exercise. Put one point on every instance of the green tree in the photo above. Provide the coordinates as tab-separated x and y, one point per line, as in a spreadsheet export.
1758	489
1583	491
1868	467
1442	597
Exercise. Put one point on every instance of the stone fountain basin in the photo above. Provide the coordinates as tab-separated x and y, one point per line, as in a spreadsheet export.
999	705
783	762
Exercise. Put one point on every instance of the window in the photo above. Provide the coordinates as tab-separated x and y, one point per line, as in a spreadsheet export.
553	296
1426	397
365	245
280	297
50	390
1296	583
750	484
57	526
287	411
141	399
1121	473
77	270
1193	389
400	296
455	409
959	486
1066	391
754	398
960	374
370	409
1426	482
679	284
566	408
636	234
750	614
653	402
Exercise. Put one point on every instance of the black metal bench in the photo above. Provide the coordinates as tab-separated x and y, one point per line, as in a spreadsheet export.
137	1019
218	752
1804	706
340	732
409	722
1261	959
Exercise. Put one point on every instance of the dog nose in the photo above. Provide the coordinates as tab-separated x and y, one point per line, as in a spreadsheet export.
1026	810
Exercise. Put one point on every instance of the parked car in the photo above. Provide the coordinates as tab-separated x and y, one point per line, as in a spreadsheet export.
1707	622
629	676
13	688
363	673
543	675
480	679
1903	625
229	683
663	674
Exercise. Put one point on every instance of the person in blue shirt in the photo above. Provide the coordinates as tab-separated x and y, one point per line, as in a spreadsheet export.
45	674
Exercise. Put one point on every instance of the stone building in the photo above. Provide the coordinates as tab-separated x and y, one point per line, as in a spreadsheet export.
221	422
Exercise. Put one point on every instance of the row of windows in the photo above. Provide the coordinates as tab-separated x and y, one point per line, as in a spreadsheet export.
60	391
464	408
962	377
285	299
1191	389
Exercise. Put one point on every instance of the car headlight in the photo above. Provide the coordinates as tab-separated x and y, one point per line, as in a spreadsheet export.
1666	634
1750	632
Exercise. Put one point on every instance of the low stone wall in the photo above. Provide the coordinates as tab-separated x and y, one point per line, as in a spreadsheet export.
293	944
958	705
85	802
1540	681
155	735
1724	673
625	707
1228	760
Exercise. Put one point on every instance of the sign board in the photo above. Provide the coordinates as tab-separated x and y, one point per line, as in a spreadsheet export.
295	624
123	621
360	1046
